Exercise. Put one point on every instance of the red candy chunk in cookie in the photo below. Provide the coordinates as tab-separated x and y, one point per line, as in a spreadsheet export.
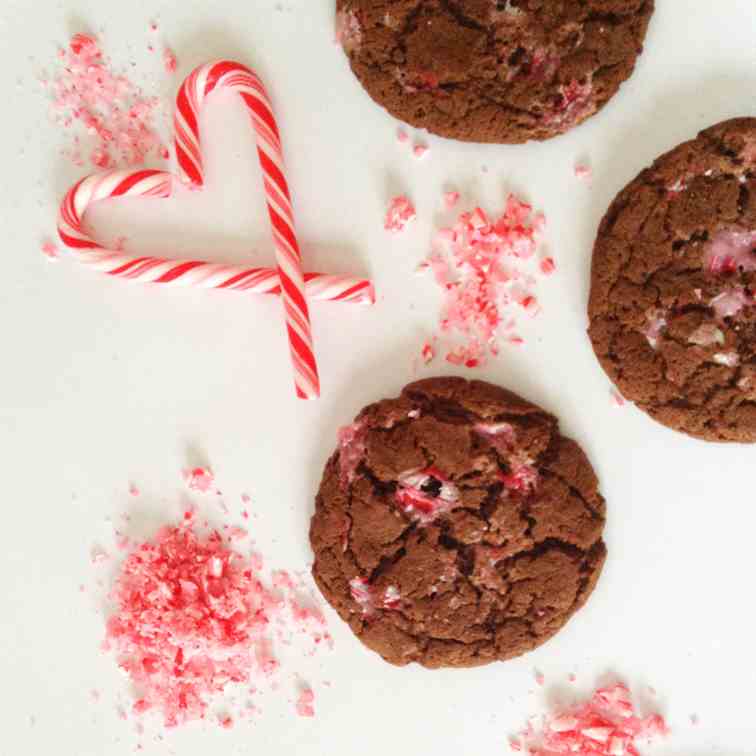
455	526
672	315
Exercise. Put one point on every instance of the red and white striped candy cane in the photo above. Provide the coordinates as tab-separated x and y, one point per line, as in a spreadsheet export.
206	275
288	280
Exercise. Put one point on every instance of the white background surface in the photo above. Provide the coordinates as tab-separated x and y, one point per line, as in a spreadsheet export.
102	383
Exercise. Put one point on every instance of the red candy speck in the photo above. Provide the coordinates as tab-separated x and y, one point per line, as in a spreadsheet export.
482	265
605	725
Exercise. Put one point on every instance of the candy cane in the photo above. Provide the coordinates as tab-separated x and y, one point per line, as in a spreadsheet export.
206	275
288	280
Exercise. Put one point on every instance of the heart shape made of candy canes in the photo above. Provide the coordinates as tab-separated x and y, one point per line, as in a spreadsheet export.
287	280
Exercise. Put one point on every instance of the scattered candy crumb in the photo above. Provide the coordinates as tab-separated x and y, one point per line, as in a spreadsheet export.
199	479
109	108
401	135
49	250
428	353
605	725
305	703
584	173
133	489
450	200
420	151
484	267
400	212
170	61
540	678
547	266
617	399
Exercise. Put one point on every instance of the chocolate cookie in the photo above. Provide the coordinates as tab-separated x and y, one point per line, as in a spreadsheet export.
502	71
672	309
455	526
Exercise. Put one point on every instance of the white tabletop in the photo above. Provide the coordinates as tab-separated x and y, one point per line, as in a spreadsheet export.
103	383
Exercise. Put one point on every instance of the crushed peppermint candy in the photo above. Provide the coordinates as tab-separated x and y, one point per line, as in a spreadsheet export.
351	451
192	617
348	30
400	212
401	135
605	725
114	115
425	494
584	173
420	151
485	268
731	251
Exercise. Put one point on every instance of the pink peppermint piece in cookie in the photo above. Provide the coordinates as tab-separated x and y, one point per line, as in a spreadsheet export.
351	451
348	30
521	478
656	324
501	436
731	251
729	303
707	334
424	494
727	359
400	212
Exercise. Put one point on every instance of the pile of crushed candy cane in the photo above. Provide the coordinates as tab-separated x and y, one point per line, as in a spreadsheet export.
192	618
604	725
487	268
113	113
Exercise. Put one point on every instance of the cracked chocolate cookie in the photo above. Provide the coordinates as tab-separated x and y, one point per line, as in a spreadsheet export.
503	71
455	526
672	308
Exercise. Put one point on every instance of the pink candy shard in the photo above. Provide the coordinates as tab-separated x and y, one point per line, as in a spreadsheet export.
189	620
451	199
731	251
199	479
401	135
425	494
605	725
348	30
482	263
305	703
617	399
49	249
351	451
584	173
428	353
170	61
420	151
547	266
400	212
730	302
112	111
